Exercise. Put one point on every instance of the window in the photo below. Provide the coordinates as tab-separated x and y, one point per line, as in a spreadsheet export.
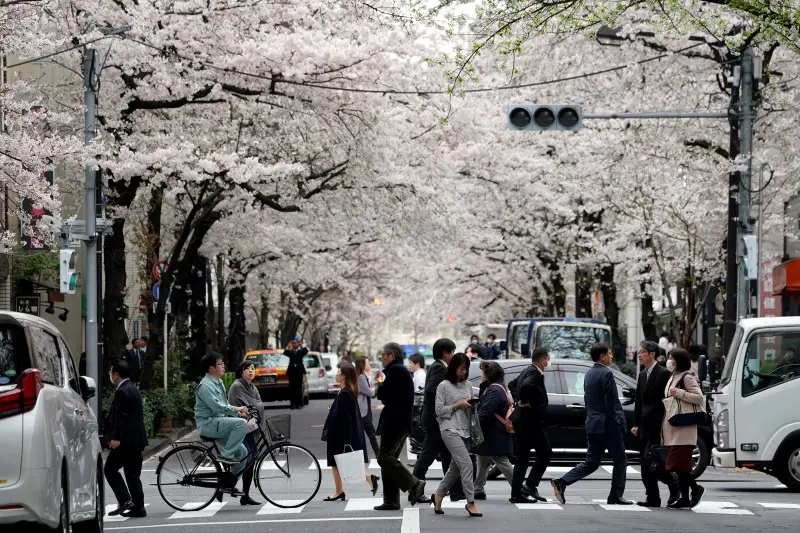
770	360
574	379
727	370
311	361
570	341
263	360
13	353
47	357
74	381
519	336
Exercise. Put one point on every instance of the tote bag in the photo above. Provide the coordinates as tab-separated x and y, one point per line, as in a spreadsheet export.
351	465
680	413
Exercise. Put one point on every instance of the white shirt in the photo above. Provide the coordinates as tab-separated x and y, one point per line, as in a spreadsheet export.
419	379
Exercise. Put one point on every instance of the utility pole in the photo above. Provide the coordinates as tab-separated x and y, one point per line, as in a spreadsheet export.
91	72
745	149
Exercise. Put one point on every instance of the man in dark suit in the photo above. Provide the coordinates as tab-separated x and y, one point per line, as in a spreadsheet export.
647	419
605	428
528	419
394	426
135	357
433	446
128	440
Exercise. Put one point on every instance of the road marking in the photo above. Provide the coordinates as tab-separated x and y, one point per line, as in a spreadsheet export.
208	512
557	470
628	470
362	504
272	465
780	505
626	508
410	520
539	506
270	509
720	508
248	522
116	518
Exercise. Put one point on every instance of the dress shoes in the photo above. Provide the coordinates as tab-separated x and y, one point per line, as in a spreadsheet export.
522	499
387	507
122	508
134	512
649	503
619	501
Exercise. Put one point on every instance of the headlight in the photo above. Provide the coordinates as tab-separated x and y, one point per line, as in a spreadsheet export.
721	430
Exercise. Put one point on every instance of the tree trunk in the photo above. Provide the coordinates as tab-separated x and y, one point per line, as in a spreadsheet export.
263	320
236	328
583	294
221	292
611	308
648	315
289	327
154	320
197	312
211	330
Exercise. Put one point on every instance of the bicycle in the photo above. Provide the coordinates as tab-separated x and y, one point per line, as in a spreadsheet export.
190	477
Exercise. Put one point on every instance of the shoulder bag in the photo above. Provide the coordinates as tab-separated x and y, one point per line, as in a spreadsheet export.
680	413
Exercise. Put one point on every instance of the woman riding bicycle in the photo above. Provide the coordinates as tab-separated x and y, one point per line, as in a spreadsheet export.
244	393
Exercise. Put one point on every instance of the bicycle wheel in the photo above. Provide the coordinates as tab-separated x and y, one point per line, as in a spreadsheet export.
289	473
175	477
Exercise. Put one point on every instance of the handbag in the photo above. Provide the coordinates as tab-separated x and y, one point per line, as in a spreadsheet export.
508	424
680	413
475	431
351	465
656	457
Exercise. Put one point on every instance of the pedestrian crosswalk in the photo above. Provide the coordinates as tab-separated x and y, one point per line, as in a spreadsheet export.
493	505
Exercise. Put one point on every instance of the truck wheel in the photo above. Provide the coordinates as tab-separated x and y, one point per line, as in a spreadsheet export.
701	456
788	465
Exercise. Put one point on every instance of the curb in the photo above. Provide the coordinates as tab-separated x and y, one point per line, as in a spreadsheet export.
166	442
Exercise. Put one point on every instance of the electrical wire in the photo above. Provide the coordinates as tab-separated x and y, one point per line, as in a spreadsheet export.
48	56
399	92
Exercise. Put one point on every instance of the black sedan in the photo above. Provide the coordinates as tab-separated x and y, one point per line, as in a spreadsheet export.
566	413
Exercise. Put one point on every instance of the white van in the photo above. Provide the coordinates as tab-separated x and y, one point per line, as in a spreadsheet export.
756	420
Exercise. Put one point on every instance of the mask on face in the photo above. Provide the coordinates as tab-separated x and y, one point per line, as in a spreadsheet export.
670	365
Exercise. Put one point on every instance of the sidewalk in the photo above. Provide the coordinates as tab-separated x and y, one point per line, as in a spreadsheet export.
160	442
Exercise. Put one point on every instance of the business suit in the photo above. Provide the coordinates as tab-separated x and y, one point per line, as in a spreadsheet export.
648	415
605	430
528	420
126	424
394	426
296	371
135	359
433	446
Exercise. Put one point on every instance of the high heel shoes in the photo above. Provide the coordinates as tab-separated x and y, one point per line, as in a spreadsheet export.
471	514
340	496
433	500
375	480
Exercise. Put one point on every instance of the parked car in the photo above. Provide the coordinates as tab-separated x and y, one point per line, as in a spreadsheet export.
566	412
316	374
271	379
331	361
51	468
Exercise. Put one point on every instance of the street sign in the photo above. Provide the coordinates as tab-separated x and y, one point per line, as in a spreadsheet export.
142	307
155	291
159	269
28	304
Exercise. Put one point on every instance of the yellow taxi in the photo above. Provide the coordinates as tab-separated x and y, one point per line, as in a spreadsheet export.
271	379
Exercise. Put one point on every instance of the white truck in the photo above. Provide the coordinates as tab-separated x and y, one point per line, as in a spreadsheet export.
756	416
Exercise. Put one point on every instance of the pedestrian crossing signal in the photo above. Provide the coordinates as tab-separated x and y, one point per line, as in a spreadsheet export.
68	274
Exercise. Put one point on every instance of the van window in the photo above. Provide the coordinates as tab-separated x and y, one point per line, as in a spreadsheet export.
770	360
728	364
13	353
311	361
519	336
47	357
570	341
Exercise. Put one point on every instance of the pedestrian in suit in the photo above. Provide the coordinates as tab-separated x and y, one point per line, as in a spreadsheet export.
647	418
128	440
394	426
528	419
433	446
135	359
296	373
605	428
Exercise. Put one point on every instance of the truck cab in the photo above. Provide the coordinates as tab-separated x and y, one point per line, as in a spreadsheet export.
756	421
566	338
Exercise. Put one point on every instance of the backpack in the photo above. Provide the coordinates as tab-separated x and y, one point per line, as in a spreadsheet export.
507	420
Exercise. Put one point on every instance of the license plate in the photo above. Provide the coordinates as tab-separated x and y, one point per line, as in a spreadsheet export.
268	380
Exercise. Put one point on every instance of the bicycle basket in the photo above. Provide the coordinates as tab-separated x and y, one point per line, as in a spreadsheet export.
279	427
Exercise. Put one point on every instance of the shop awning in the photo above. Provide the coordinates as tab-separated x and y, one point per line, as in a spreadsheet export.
786	277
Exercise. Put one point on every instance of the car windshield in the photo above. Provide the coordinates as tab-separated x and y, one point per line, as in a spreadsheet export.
570	341
262	360
727	372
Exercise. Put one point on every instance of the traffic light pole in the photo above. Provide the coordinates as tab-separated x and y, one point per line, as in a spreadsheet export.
659	114
91	71
743	307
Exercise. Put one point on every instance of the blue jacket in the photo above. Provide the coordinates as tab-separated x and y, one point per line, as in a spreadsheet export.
603	410
211	401
496	440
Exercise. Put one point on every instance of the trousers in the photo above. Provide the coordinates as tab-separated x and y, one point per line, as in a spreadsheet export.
296	390
460	467
433	447
231	431
532	438
612	440
131	463
483	461
369	430
395	476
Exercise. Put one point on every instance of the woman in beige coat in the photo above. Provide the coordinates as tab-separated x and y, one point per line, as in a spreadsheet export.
681	440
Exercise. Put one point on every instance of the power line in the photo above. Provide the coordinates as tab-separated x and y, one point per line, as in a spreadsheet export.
399	92
48	56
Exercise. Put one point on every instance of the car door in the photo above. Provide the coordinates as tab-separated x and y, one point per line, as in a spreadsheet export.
572	422
61	408
86	449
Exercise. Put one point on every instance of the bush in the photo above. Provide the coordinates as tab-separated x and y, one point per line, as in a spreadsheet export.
227	379
628	368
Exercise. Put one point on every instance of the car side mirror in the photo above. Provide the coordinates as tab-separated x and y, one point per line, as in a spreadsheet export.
88	388
524	350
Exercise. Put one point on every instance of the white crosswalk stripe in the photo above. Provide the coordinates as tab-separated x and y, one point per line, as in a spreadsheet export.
706	507
117	518
780	505
269	509
208	512
622	508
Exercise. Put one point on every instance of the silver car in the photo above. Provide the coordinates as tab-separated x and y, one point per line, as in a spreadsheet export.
317	375
51	469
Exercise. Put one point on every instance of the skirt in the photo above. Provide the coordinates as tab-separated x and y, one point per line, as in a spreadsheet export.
679	458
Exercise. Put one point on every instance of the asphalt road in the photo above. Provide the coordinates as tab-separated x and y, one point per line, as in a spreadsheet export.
734	499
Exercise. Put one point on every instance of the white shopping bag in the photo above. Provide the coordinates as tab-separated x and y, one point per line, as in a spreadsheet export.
351	466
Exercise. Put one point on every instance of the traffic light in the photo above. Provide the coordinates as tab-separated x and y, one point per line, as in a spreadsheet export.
530	117
68	274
